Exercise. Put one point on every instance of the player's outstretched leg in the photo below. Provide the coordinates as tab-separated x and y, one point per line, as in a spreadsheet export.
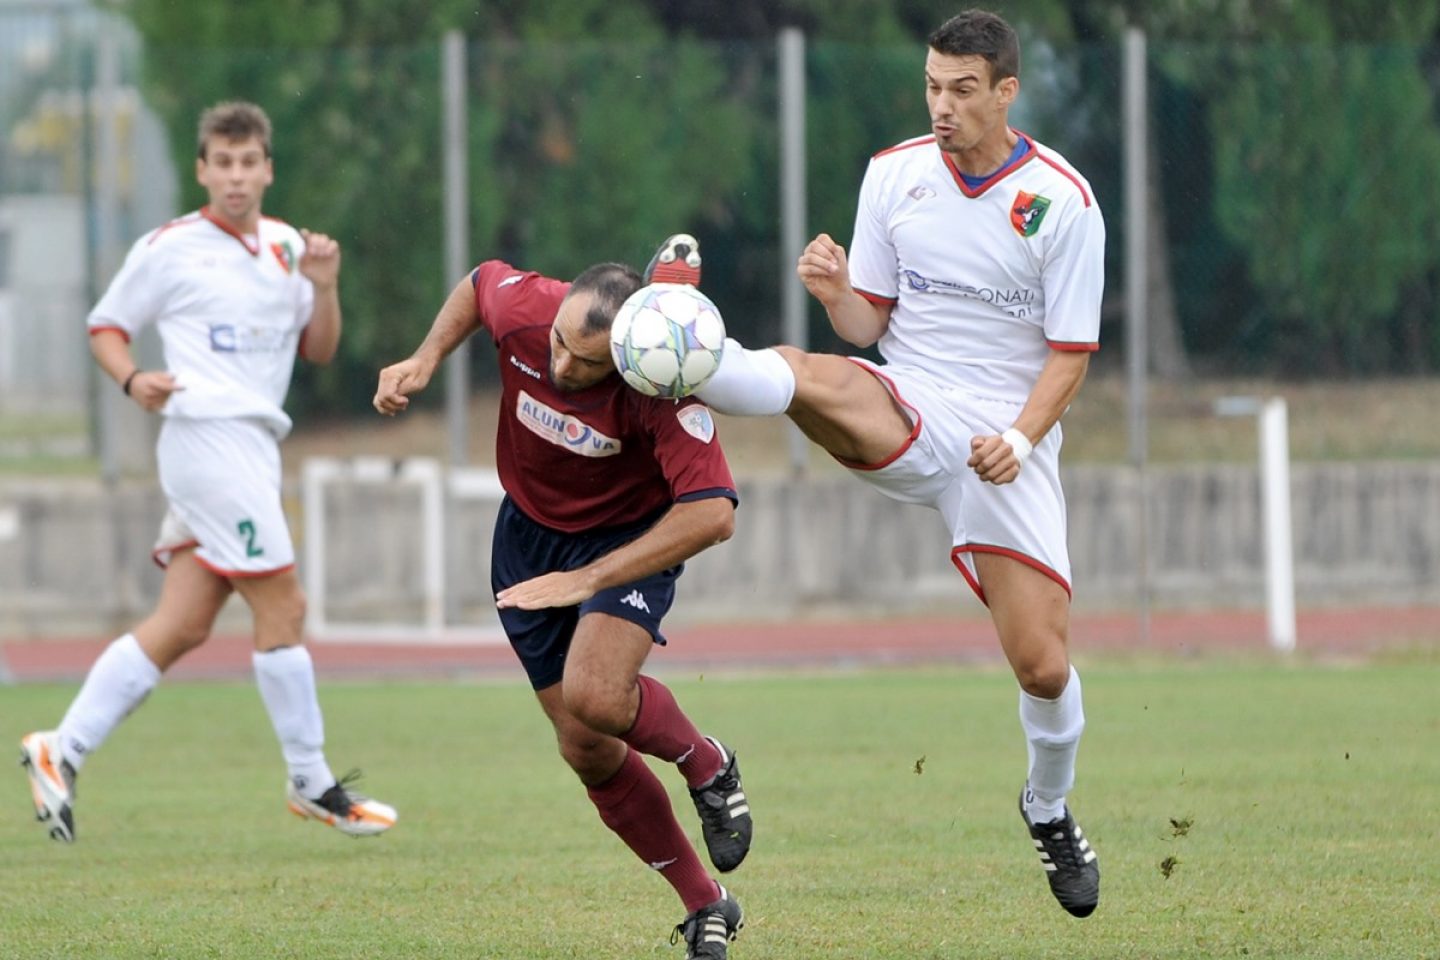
1070	864
677	261
343	808
724	813
709	930
52	783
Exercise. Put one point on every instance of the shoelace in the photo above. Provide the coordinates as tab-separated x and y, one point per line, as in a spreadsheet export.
345	798
1063	846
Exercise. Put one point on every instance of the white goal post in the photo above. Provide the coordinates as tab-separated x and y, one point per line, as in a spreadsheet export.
1272	418
439	491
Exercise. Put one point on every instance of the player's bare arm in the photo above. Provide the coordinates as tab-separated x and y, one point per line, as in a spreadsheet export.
456	320
685	530
149	388
993	457
320	264
825	271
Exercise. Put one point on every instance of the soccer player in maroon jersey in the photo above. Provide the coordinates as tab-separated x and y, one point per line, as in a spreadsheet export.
607	493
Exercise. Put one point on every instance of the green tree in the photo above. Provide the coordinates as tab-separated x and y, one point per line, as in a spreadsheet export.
592	135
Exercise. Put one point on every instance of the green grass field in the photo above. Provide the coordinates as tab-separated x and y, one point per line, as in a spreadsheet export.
1240	810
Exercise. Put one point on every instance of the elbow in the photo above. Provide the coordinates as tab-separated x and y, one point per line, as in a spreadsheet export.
723	527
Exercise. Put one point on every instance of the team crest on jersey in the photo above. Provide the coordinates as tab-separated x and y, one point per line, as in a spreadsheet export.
697	422
1027	211
285	255
563	429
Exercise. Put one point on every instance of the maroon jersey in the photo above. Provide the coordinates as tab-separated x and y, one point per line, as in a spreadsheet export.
598	457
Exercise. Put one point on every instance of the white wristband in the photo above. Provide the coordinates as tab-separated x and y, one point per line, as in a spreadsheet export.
1019	443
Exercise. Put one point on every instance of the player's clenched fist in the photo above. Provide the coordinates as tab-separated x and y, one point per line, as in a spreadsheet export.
824	270
398	381
321	261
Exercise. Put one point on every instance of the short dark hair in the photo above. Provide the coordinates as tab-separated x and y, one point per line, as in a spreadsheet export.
980	33
234	120
611	284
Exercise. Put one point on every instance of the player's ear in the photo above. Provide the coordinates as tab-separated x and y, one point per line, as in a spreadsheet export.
1009	90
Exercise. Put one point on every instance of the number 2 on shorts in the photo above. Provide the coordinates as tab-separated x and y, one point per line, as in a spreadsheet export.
247	530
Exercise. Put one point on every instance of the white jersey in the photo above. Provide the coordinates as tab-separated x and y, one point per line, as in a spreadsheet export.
230	311
984	282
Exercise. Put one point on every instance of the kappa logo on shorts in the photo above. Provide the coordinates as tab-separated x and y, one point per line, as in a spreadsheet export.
636	599
697	422
563	429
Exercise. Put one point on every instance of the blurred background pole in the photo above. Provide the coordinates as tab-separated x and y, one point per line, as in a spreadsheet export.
794	330
102	115
457	232
1137	233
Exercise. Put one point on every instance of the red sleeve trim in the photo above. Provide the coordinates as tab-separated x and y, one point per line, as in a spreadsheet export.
125	334
1066	346
876	298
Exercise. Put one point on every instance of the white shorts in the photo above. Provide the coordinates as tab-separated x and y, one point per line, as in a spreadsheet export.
222	479
1024	519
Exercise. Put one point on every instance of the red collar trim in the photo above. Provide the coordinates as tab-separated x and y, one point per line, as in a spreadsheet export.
254	250
1030	153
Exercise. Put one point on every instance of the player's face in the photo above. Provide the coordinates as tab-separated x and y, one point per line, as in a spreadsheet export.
235	173
966	112
577	359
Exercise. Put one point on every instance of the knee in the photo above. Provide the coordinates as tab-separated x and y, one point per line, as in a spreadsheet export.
292	608
1044	675
599	708
187	636
582	751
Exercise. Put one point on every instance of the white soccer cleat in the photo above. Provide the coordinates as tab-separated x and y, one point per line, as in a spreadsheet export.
343	809
52	783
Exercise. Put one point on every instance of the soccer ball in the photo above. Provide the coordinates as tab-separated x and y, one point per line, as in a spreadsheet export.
667	339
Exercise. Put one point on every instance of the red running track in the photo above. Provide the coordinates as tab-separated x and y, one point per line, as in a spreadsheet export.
797	644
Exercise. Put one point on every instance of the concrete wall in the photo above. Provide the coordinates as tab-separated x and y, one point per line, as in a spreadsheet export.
73	557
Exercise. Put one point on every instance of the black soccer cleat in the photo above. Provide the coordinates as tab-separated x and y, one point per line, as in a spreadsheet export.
724	813
709	930
1070	865
677	261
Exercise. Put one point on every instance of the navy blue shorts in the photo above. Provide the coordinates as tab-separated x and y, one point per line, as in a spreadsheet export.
541	638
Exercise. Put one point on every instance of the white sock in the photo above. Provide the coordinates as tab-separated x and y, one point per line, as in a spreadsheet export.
118	681
749	383
286	677
1052	738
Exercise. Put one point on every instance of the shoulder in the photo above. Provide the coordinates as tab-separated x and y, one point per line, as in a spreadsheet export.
177	231
513	298
905	150
1063	179
277	230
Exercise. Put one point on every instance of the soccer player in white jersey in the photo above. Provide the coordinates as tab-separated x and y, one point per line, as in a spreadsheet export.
977	269
235	296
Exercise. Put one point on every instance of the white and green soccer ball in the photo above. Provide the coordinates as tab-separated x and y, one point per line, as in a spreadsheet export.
667	339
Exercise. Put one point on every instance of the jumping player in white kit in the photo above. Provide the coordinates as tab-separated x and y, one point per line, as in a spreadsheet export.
977	268
235	297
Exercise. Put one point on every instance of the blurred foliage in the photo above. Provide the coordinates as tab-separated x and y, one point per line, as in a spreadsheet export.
1295	146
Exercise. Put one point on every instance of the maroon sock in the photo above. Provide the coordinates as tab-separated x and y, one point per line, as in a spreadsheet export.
635	805
662	730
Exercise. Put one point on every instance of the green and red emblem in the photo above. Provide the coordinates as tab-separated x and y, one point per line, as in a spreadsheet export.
1027	211
285	255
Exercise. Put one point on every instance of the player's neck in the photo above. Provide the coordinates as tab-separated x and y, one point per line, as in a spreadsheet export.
987	156
247	225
